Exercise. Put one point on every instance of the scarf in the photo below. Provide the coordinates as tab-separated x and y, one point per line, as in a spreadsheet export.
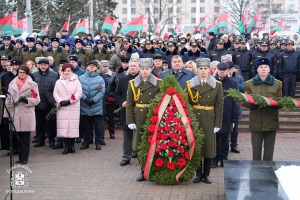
20	82
66	77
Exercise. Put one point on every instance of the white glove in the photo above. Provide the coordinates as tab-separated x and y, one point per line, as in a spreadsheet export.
216	129
132	126
232	125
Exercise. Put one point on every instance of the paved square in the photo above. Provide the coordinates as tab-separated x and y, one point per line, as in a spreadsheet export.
91	174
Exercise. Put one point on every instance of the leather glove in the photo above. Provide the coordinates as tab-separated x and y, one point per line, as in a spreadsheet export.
216	129
131	126
90	102
234	120
65	103
23	99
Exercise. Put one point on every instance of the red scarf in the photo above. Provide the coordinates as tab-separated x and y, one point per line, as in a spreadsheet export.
20	82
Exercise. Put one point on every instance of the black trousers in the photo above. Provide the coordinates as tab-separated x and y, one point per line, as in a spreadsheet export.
24	145
234	135
110	108
42	125
127	147
222	147
4	134
289	85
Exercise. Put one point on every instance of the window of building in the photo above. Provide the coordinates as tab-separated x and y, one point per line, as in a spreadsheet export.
133	10
202	0
155	20
193	9
170	21
170	30
217	9
193	20
124	10
170	10
217	1
178	9
155	10
193	1
170	1
132	1
178	20
155	1
147	1
202	9
201	18
124	1
147	10
179	1
124	20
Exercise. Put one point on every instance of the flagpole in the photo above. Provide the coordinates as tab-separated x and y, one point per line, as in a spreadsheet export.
28	15
91	18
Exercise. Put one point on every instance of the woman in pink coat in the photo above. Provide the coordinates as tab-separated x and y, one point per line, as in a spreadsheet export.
67	94
24	90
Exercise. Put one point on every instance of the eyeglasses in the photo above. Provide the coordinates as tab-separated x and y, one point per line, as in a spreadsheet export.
22	72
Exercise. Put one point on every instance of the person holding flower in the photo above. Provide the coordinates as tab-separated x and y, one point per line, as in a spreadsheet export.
67	93
24	91
93	89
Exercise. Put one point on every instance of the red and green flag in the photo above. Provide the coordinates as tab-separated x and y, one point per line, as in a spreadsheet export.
45	30
265	27
177	28
224	21
278	27
74	31
83	27
213	27
9	24
156	30
110	24
66	25
203	25
243	23
255	23
138	24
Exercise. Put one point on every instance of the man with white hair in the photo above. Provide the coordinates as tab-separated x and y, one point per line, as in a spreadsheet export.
228	58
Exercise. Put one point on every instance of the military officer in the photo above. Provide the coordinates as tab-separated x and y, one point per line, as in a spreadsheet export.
218	52
193	53
30	52
83	55
170	53
140	92
263	122
8	48
100	52
56	51
206	97
149	51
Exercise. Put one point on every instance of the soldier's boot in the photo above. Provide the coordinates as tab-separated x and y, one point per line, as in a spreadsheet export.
199	175
72	147
207	164
141	177
66	148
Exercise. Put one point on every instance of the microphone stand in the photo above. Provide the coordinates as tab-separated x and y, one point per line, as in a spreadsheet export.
11	127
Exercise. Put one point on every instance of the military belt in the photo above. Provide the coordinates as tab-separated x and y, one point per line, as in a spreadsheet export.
139	105
199	107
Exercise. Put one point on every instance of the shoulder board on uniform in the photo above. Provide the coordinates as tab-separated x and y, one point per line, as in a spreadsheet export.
218	81
249	81
278	80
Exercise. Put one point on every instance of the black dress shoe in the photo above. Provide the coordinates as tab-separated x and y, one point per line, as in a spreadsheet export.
39	144
91	141
112	136
222	164
141	177
125	162
58	146
198	176
134	155
78	140
214	164
24	162
118	123
98	147
34	141
102	142
52	144
18	161
207	179
235	150
84	146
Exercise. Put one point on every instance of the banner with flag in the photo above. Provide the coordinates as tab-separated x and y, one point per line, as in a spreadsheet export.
66	25
156	29
138	24
243	23
255	23
74	31
278	27
83	27
9	24
45	30
203	25
224	21
110	24
22	26
177	28
265	27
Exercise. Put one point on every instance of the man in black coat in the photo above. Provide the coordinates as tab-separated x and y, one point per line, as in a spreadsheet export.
193	53
149	51
120	97
46	79
230	115
218	52
213	41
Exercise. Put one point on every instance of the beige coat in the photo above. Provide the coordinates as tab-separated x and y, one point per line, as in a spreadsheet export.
24	114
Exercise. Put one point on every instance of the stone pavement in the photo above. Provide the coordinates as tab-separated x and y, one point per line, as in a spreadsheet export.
91	174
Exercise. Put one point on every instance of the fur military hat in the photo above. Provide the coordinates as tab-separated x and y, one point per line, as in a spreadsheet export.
145	62
104	63
262	61
200	62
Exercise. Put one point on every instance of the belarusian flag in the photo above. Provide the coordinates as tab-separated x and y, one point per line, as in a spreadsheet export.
9	24
110	24
177	29
213	27
138	24
203	25
255	23
45	30
83	27
265	27
243	23
22	26
156	30
224	21
74	31
278	27
66	25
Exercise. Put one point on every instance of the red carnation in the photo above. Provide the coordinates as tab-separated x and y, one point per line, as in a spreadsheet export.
179	121
160	128
187	155
171	165
175	109
171	143
8	85
158	76
171	135
170	114
181	162
171	90
172	103
170	153
164	146
183	134
183	141
34	94
178	95
182	129
181	150
186	111
158	142
174	119
73	97
157	150
151	128
164	136
182	103
168	109
110	99
159	162
100	87
168	128
159	104
189	119
150	139
159	135
154	119
168	121
155	110
177	144
176	127
177	136
163	96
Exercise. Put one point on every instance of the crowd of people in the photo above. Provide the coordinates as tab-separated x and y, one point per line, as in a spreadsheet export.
66	88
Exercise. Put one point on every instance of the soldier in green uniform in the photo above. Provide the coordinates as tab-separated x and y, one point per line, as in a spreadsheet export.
263	122
8	48
100	52
140	92
83	55
30	52
206	97
56	51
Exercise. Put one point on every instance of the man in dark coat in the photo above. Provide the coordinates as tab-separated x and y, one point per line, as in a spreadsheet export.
218	52
46	80
213	41
230	115
170	53
149	51
8	48
120	97
193	53
128	47
67	38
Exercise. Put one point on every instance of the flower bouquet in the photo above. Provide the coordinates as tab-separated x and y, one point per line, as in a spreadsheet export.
55	110
15	103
